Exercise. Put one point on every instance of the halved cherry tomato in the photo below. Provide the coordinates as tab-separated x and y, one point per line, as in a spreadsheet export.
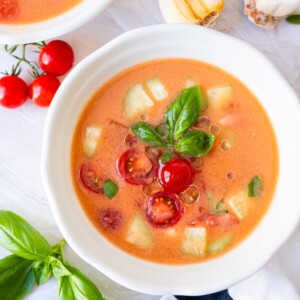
43	89
90	178
164	209
136	167
110	218
176	175
13	91
8	9
56	58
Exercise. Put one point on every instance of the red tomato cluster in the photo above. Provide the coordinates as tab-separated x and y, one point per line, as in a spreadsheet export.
164	208
55	59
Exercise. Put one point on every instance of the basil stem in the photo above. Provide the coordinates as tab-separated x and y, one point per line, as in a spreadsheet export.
77	286
255	187
195	144
183	112
147	134
16	277
294	19
42	271
20	238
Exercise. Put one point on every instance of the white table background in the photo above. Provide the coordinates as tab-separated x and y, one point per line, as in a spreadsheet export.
21	130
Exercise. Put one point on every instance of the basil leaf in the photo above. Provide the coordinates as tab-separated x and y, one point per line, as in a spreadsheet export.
294	19
183	112
59	270
77	286
147	134
110	189
16	278
195	144
42	271
20	238
255	187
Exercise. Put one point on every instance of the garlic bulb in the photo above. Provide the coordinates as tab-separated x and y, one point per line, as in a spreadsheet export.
267	13
202	12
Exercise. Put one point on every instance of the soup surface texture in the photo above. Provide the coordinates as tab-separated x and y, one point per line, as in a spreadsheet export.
30	11
174	161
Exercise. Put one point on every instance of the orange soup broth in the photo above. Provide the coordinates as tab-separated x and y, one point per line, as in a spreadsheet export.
31	11
253	152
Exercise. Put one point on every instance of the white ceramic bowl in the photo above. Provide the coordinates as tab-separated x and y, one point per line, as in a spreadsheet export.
57	26
164	41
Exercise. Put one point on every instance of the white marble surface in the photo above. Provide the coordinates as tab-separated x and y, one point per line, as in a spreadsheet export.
21	130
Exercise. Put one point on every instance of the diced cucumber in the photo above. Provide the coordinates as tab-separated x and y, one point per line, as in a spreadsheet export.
194	241
220	244
190	82
136	101
238	204
91	139
157	89
219	97
139	233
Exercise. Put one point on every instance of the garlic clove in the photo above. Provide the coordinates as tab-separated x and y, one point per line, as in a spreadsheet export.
202	12
277	8
267	13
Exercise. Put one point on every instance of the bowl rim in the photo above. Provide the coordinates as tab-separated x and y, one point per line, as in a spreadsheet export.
140	283
53	27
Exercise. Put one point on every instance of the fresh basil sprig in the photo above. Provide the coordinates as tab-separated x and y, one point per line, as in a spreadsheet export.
183	112
174	135
196	143
34	262
20	238
147	134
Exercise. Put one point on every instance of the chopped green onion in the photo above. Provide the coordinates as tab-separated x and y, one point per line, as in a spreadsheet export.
255	187
220	209
110	189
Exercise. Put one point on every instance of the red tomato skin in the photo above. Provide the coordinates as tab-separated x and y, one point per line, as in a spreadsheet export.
13	91
127	176
176	175
159	215
43	89
56	58
88	175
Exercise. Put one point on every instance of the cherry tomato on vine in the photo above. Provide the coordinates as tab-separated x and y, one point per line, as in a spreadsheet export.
136	167
56	58
164	209
13	91
43	89
176	175
90	177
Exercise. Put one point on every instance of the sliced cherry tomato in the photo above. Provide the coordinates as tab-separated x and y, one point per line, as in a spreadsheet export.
176	175
13	91
136	167
43	89
164	209
91	178
8	9
56	58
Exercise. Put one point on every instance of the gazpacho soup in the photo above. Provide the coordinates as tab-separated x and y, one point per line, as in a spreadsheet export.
30	11
174	161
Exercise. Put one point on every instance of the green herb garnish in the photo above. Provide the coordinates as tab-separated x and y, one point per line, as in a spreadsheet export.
34	261
255	187
294	19
110	189
166	157
174	135
220	209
